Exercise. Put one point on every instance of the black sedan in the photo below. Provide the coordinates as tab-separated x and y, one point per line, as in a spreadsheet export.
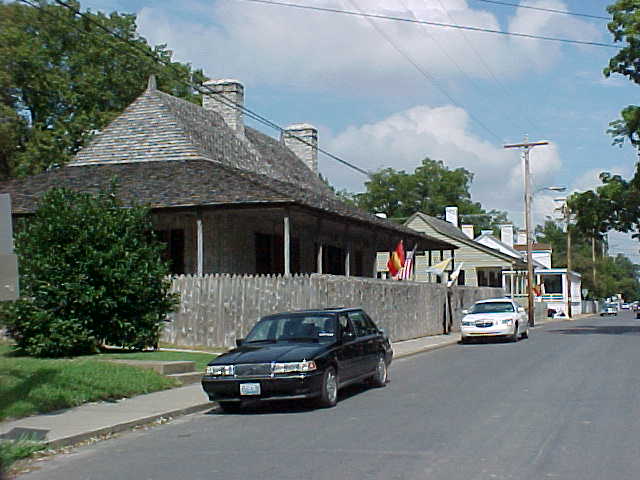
300	355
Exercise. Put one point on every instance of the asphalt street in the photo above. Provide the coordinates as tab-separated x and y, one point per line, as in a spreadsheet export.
564	404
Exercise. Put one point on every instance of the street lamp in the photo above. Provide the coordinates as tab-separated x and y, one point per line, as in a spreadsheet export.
526	146
566	213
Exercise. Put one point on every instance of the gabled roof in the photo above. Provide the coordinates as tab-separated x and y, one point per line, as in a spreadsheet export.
167	152
449	230
508	250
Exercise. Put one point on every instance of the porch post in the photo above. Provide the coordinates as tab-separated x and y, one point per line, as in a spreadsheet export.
376	237
512	279
347	262
319	253
199	245
347	257
287	245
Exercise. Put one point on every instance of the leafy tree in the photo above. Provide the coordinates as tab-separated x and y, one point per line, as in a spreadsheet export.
90	272
625	27
614	274
63	78
429	189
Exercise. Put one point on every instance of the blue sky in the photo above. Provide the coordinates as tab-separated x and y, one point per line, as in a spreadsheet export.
375	109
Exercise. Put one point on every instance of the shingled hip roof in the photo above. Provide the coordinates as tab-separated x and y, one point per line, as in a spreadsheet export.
166	152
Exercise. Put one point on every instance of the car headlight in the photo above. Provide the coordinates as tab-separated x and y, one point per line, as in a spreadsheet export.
220	370
507	321
467	324
290	367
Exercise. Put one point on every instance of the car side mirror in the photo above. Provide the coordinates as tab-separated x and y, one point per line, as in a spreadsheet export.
383	332
465	312
239	341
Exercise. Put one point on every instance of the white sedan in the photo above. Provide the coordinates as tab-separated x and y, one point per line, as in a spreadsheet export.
495	317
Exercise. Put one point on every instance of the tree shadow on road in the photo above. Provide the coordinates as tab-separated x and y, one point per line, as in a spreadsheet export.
598	330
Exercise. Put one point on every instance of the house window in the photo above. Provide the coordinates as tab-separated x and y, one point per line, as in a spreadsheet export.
489	278
174	249
270	254
333	261
461	277
552	283
358	269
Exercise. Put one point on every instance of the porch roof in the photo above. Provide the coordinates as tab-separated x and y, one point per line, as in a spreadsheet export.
196	183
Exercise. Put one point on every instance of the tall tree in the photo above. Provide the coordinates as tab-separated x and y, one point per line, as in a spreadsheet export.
614	274
62	78
429	189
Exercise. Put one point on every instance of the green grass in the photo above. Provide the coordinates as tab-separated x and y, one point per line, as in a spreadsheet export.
13	450
35	385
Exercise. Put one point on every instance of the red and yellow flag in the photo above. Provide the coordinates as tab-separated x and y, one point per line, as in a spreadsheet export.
396	260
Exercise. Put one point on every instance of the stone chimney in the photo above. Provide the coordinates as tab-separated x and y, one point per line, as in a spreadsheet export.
451	215
225	93
307	152
468	231
506	234
522	237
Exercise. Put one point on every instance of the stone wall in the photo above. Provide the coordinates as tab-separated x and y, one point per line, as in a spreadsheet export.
215	310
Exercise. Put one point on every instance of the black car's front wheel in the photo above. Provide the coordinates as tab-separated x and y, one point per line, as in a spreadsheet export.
381	377
329	393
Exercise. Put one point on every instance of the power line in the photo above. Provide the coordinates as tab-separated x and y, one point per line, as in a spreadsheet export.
446	53
485	64
435	24
428	76
202	89
550	10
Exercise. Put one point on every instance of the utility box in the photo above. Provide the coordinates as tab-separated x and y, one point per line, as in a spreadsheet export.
8	260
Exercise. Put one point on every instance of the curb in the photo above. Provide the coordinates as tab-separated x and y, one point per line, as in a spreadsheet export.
426	348
120	427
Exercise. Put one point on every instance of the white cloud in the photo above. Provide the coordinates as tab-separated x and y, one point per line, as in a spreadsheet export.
263	44
403	139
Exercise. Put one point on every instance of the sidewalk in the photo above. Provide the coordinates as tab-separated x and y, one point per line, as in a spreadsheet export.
75	425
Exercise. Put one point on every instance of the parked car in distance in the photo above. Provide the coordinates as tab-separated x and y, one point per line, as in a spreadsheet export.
300	355
495	317
624	306
609	309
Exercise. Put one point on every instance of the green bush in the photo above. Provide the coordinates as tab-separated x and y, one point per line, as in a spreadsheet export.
91	272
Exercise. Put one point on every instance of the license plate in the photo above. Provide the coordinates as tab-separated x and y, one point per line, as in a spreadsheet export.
249	389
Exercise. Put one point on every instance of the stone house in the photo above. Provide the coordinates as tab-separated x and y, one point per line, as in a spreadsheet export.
225	198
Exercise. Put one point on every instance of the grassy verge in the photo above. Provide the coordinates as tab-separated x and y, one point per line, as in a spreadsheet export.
13	450
34	385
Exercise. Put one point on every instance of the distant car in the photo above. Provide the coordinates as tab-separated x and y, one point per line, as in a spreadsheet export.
625	306
300	355
496	317
609	309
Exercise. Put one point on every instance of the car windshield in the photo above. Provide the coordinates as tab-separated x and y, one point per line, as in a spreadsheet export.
298	327
492	307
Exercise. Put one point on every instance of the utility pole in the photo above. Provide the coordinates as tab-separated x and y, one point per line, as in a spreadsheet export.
593	256
569	296
526	146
